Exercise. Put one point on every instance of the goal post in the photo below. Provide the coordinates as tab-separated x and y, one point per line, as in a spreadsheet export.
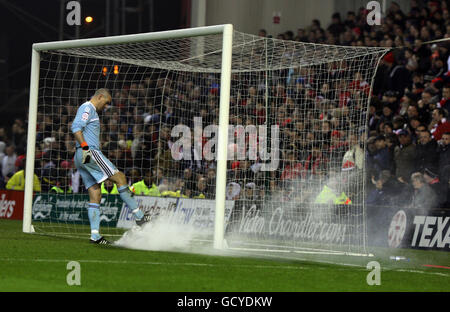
280	127
227	32
219	227
31	142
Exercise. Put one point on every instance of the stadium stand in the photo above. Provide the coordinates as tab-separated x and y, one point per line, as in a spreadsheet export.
408	138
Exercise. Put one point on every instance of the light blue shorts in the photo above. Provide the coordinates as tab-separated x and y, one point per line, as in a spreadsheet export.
97	170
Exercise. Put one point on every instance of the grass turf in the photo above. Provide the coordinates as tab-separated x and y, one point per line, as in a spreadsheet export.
32	262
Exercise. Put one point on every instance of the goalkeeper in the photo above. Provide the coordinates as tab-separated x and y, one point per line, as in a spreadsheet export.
94	167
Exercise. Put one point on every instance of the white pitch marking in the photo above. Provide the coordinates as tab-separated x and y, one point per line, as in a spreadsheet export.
362	267
159	263
219	265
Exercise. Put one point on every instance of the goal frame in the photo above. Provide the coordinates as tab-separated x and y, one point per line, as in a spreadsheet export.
227	43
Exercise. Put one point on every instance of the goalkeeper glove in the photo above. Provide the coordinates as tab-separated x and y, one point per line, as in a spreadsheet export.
87	155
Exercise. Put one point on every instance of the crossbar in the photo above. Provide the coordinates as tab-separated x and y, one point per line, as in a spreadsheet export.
144	37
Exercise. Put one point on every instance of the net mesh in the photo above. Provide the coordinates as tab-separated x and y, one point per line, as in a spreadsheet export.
295	175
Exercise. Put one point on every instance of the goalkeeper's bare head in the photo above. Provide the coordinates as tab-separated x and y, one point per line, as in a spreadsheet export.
101	99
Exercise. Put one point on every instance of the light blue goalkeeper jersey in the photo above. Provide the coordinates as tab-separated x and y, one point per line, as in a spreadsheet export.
88	122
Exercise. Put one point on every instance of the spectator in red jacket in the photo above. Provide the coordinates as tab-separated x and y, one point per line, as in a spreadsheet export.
439	125
316	162
293	168
445	101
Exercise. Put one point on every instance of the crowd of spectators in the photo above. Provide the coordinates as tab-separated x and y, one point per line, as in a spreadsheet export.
406	144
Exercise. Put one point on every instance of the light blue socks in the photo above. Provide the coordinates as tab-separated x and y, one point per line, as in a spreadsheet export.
94	211
126	196
94	220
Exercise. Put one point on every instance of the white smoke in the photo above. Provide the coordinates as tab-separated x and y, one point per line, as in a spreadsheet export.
160	234
289	216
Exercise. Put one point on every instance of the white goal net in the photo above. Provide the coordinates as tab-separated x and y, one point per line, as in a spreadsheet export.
297	125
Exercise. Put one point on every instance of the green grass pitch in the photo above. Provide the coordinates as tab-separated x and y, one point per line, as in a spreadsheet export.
32	262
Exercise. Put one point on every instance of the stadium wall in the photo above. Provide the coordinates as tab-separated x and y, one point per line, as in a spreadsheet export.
250	16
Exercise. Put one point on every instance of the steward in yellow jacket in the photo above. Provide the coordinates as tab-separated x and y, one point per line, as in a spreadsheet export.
17	182
60	190
171	193
140	188
328	196
113	191
146	186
